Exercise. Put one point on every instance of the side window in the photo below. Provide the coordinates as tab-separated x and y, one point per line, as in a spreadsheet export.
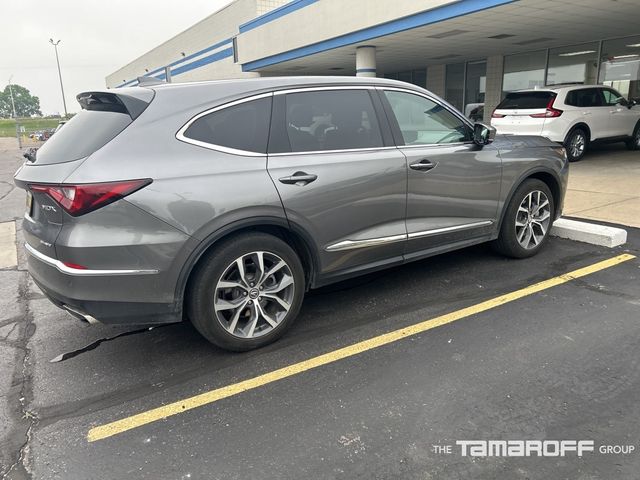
585	97
611	97
423	121
242	127
331	120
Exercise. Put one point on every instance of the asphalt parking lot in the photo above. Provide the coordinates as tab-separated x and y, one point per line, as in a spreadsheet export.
557	363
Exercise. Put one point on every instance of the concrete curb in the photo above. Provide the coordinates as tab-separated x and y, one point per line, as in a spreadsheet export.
589	233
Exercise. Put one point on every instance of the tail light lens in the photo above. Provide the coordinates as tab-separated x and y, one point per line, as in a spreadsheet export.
84	198
550	112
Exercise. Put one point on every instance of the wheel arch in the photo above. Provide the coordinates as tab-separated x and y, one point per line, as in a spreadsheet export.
545	175
582	126
292	234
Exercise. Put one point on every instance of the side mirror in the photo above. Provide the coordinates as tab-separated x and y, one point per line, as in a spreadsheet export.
631	103
483	134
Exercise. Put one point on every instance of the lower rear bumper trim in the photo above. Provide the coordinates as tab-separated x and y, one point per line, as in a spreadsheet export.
80	271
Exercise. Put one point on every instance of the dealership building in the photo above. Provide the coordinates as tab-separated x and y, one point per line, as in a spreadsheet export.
468	51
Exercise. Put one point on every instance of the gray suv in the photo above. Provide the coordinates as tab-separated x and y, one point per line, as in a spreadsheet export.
224	202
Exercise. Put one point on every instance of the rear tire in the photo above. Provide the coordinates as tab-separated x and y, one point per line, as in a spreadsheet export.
247	292
527	221
634	142
576	144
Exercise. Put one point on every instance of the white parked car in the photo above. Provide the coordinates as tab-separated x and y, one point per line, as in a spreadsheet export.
574	115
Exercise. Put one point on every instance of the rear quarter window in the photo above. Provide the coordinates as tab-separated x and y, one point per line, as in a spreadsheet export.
244	127
526	100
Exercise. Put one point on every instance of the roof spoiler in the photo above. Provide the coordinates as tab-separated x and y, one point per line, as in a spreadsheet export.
132	103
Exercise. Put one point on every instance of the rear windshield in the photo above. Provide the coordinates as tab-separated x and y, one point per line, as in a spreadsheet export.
85	133
524	100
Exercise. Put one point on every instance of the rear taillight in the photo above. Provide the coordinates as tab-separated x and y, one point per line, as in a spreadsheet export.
84	198
497	115
550	112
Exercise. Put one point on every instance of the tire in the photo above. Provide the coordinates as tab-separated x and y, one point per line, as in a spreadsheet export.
634	142
259	318
576	144
511	240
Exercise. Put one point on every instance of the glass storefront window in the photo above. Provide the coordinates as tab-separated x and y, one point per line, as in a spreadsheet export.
454	85
620	66
475	88
573	64
417	77
525	70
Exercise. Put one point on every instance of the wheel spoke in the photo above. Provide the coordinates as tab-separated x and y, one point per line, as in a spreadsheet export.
276	298
253	322
543	229
273	270
527	238
521	234
271	321
543	216
260	264
230	284
236	317
222	304
284	283
241	271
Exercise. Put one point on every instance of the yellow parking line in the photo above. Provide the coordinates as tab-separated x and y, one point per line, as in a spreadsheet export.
104	431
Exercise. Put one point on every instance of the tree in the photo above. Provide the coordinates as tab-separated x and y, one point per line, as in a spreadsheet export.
27	105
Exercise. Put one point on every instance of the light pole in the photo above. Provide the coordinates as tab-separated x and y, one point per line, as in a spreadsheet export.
55	46
15	117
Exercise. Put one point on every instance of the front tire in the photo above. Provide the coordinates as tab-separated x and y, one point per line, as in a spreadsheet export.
247	292
576	144
527	221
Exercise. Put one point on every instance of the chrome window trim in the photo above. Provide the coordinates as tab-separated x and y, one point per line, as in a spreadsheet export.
323	88
320	152
212	146
81	272
455	228
372	242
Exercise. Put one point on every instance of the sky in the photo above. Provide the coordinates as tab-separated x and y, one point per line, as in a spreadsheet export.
97	38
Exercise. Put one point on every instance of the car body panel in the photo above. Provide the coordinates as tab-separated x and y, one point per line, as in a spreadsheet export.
457	199
357	196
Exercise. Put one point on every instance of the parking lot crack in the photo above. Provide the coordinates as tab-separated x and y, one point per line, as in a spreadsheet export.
93	345
24	419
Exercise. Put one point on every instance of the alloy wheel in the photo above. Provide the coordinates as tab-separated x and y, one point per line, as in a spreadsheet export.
577	145
254	294
533	219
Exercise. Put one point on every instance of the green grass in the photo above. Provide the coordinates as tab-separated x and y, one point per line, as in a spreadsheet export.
8	126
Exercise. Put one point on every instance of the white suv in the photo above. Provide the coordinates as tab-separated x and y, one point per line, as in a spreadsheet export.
573	115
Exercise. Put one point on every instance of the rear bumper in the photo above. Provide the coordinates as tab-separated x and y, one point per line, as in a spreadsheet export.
98	295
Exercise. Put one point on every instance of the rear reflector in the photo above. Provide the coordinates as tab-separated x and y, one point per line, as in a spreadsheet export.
84	198
497	115
74	266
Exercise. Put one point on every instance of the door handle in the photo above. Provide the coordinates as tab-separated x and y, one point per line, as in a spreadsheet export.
586	113
423	165
299	178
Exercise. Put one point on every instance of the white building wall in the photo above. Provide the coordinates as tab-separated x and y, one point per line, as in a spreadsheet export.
217	27
323	20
